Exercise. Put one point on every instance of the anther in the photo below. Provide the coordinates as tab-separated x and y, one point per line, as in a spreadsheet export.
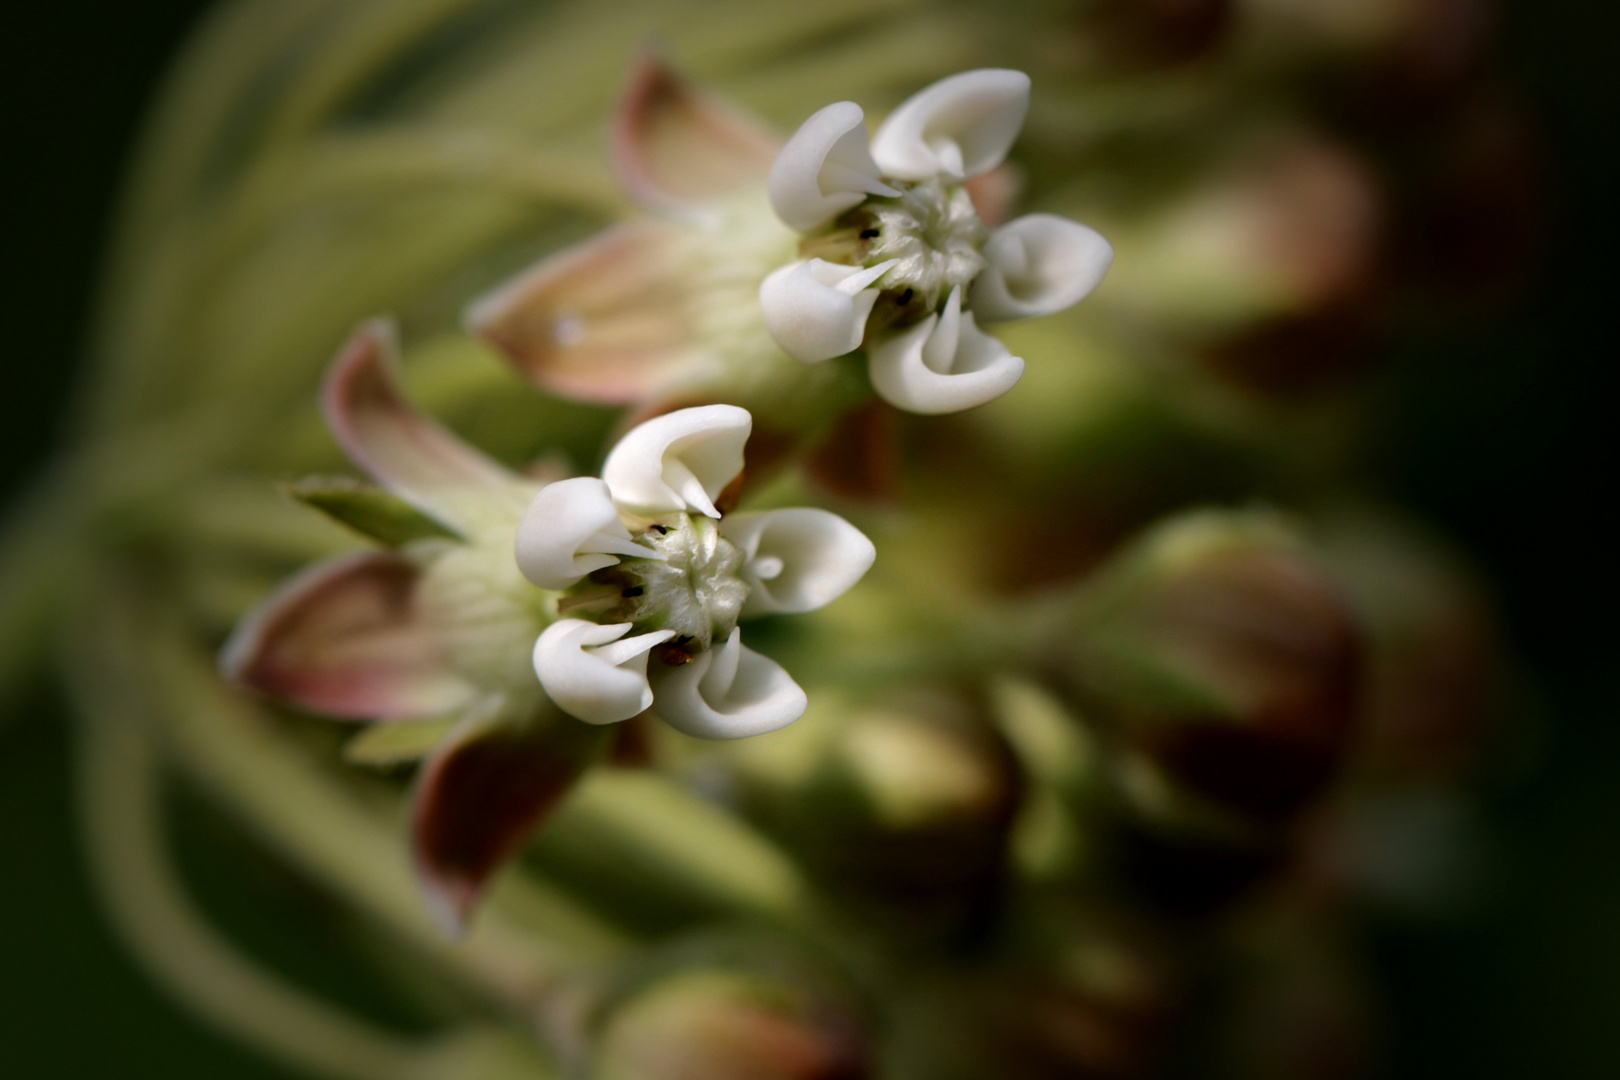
871	234
674	655
634	590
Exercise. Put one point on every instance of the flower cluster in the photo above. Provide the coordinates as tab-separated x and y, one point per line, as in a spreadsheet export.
481	661
897	260
668	570
885	250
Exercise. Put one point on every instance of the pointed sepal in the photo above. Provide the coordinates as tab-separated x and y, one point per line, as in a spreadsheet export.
481	795
347	638
675	148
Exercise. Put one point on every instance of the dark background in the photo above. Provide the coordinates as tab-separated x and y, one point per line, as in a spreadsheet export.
1498	435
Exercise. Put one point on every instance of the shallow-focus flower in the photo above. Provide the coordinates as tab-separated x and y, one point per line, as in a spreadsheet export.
668	570
895	217
439	637
702	300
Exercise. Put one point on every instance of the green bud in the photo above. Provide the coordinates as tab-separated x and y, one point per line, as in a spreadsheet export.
709	1016
1434	653
902	803
1223	654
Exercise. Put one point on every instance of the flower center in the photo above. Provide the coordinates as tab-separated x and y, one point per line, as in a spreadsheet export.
695	590
936	234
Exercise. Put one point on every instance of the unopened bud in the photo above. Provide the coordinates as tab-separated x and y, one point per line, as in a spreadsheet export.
726	1023
1433	651
902	804
1227	657
1071	994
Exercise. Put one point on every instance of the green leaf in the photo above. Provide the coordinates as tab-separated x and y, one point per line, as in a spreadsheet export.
369	511
397	742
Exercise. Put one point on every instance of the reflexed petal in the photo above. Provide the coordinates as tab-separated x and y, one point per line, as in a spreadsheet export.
797	559
675	147
600	685
960	126
604	321
679	461
728	692
944	364
347	638
1039	265
570	529
817	310
479	797
825	168
405	451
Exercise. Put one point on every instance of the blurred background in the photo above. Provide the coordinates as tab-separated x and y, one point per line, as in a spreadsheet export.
1492	426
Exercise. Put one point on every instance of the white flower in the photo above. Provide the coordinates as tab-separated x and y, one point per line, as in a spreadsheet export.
798	559
944	364
817	310
728	693
1039	265
665	576
602	684
891	229
679	461
586	534
959	127
825	169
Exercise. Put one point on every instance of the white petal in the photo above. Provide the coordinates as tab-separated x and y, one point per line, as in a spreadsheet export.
728	692
679	461
571	528
1039	265
825	169
798	559
817	310
944	364
960	126
600	685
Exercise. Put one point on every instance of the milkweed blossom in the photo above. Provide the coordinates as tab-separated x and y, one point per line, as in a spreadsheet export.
821	247
898	260
682	579
504	607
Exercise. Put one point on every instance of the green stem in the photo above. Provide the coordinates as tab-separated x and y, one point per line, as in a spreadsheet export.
529	942
120	799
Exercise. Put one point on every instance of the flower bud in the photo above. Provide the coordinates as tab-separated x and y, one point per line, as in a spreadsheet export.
1226	657
901	804
1083	998
719	1018
1433	650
